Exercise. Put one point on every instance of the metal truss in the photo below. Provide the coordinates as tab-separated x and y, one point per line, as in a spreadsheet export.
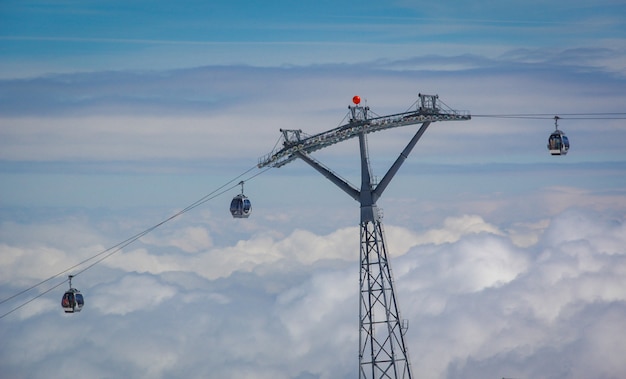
382	349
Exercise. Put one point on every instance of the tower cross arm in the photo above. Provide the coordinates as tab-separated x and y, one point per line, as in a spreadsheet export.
429	110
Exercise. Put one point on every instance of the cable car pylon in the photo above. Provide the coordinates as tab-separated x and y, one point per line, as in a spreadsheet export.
383	352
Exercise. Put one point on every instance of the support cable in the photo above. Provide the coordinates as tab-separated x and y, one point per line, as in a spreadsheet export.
570	116
118	247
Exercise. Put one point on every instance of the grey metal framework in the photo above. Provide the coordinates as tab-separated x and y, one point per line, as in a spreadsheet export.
383	352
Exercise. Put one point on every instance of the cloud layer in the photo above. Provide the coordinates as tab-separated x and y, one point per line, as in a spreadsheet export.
479	305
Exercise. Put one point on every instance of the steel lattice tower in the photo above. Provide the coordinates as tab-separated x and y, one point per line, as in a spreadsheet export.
383	352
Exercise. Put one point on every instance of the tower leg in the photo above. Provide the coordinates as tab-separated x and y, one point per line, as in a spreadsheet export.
382	351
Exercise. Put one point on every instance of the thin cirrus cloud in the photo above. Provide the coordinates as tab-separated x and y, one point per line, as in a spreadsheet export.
195	113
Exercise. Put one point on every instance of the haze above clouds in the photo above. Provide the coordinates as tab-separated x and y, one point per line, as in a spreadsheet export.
508	262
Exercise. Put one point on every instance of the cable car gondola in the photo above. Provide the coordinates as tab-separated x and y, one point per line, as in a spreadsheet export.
240	206
72	300
558	144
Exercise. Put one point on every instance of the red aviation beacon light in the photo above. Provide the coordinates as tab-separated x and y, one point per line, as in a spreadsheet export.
356	100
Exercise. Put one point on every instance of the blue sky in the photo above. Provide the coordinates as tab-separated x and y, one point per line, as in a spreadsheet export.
508	262
110	35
